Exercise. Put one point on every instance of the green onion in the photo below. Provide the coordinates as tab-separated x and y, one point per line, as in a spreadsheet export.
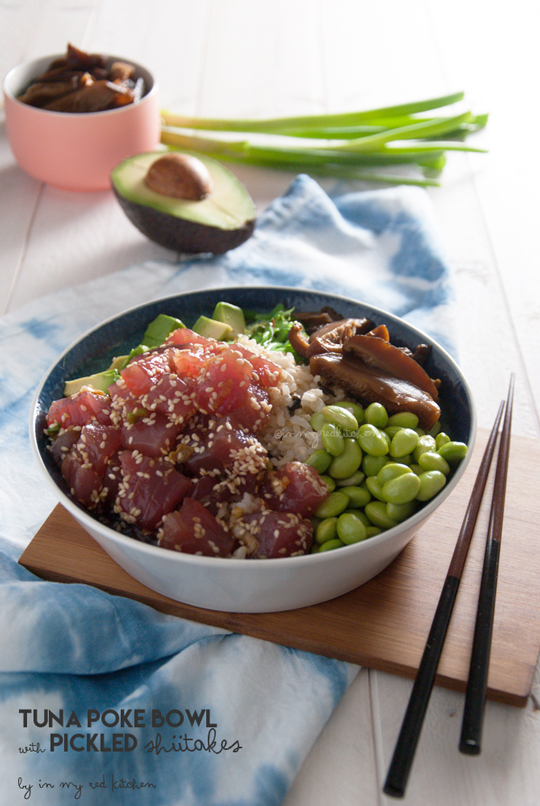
271	330
350	145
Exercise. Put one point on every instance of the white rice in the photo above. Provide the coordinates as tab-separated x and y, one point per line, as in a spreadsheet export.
290	437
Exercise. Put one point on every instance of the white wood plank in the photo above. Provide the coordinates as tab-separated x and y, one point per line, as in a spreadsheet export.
77	237
497	63
504	773
483	325
168	38
378	54
19	195
260	64
32	28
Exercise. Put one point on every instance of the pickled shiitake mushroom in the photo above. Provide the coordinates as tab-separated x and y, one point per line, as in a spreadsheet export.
360	359
82	82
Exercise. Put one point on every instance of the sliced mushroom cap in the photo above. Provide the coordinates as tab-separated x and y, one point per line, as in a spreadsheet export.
93	97
82	82
421	354
376	385
312	320
43	93
380	332
297	339
381	354
330	338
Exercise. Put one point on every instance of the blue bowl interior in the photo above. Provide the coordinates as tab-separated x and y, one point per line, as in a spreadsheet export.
117	336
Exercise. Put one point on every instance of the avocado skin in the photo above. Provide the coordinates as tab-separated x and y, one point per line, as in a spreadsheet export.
181	235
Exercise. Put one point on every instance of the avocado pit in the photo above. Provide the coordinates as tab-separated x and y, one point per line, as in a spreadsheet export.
181	176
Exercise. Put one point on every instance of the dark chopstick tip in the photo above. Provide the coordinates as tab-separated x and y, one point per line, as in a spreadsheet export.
470	747
393	791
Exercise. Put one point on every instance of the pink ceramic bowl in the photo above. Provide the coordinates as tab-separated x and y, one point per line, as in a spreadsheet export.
77	151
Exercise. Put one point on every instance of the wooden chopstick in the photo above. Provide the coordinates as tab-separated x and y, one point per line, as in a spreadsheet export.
400	766
475	695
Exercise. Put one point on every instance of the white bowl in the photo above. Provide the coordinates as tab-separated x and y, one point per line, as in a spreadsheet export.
235	585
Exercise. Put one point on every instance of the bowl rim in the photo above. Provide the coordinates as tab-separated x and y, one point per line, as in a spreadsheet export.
351	550
44	60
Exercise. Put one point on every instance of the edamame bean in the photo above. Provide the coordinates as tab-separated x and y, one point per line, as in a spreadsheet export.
326	530
401	489
453	451
404	442
350	528
332	439
329	481
358	496
359	514
353	480
425	443
317	421
348	461
379	469
330	545
392	430
405	419
374	487
363	517
372	464
333	504
431	460
434	430
342	417
391	471
356	410
441	439
372	440
376	415
400	512
320	460
431	482
377	514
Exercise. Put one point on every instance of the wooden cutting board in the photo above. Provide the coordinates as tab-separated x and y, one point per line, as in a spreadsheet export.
383	624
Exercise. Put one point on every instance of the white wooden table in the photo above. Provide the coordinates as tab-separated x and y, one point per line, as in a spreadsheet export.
251	58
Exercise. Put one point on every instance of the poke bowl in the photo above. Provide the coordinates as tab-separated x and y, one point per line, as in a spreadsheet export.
240	568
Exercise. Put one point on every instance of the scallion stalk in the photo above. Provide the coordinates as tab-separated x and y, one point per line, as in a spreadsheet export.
276	125
347	145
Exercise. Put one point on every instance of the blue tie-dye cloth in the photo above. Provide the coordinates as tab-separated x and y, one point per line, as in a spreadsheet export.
102	699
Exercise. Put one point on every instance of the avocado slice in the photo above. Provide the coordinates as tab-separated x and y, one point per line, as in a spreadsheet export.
232	315
100	381
119	362
212	329
159	328
222	220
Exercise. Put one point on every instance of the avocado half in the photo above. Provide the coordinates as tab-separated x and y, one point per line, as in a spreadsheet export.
221	221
